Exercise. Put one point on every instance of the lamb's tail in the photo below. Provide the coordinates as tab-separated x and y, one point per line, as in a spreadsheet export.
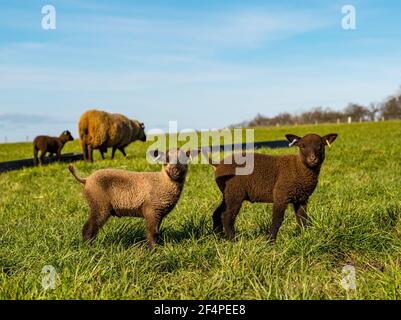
74	173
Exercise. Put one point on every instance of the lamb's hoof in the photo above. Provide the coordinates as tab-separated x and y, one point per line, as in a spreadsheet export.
231	237
218	230
271	240
152	245
88	241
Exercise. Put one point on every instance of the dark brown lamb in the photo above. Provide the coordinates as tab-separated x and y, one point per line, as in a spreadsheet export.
150	195
280	180
51	145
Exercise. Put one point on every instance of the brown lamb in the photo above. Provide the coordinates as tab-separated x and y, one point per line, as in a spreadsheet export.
280	180
51	145
150	195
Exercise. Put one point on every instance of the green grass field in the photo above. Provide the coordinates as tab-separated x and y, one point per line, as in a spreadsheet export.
355	212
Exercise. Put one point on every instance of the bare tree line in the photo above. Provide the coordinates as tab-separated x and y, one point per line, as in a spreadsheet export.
390	109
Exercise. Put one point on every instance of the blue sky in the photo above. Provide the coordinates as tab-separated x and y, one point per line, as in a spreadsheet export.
206	64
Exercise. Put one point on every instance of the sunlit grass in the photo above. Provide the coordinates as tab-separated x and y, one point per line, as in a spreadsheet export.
355	210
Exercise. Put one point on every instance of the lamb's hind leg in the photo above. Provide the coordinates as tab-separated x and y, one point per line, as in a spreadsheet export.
42	157
35	156
98	217
217	218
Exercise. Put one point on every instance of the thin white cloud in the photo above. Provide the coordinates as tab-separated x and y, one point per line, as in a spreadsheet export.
202	72
21	118
200	31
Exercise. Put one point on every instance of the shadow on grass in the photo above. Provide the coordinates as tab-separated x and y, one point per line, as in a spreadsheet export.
134	233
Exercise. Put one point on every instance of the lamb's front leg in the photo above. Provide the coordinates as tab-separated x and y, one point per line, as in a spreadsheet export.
278	218
153	222
301	214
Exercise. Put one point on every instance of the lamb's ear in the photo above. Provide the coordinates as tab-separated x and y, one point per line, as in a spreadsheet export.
293	139
193	153
156	154
329	138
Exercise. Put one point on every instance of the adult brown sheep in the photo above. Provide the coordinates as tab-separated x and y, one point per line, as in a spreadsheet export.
101	130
